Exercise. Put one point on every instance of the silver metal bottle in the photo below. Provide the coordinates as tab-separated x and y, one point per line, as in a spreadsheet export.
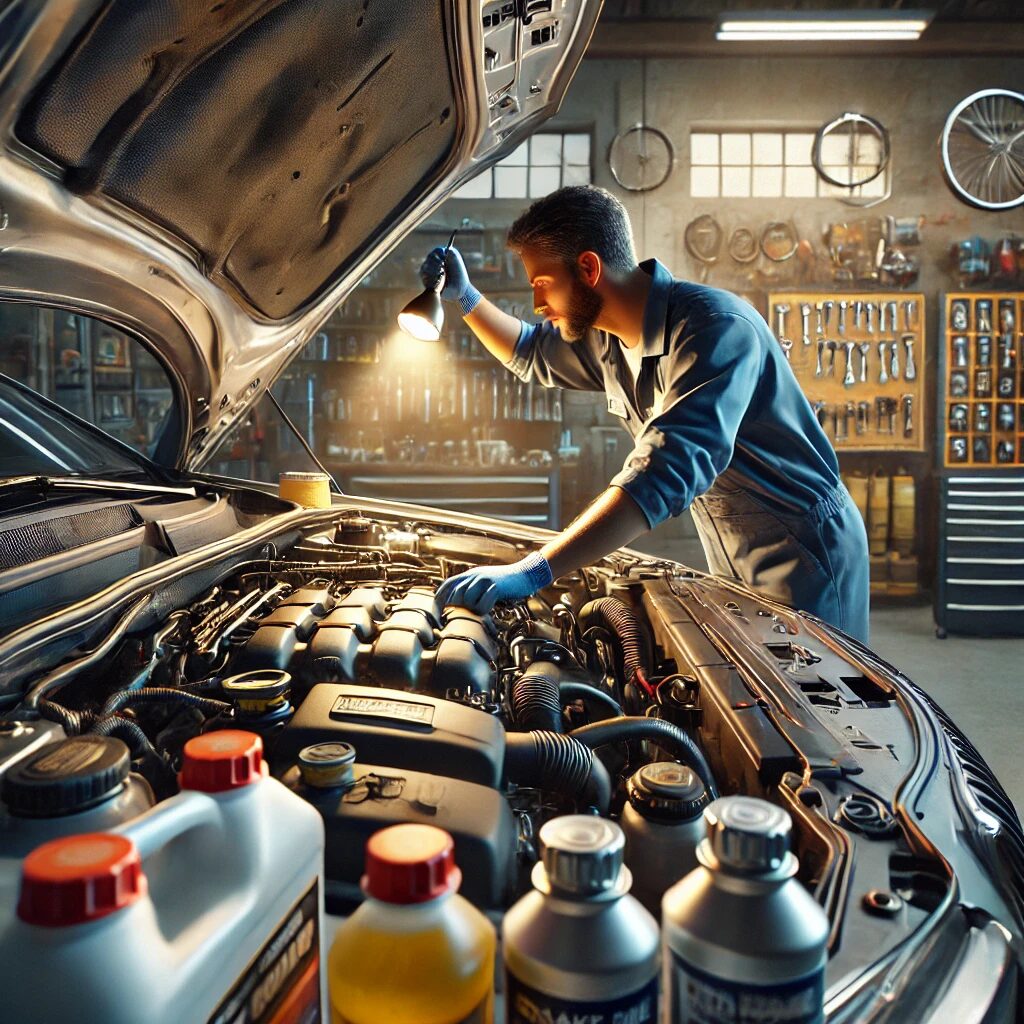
743	941
579	946
663	822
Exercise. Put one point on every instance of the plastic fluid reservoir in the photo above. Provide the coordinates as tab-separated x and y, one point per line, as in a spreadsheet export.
742	939
663	822
207	908
414	951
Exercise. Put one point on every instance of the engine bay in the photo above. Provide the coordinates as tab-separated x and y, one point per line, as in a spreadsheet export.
633	689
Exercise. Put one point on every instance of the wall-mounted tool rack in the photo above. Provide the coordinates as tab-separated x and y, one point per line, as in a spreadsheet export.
860	359
981	422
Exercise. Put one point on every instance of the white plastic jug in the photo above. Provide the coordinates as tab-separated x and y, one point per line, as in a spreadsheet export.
208	908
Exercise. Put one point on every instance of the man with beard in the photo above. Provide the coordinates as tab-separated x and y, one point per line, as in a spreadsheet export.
719	423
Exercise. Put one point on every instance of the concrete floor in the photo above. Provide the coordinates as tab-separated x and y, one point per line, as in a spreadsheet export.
979	683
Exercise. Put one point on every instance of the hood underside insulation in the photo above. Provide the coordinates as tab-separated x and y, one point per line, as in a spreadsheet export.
278	139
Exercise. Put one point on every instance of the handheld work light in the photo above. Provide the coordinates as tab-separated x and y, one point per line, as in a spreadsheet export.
423	317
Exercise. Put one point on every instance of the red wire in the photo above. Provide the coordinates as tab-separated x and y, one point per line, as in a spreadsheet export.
642	680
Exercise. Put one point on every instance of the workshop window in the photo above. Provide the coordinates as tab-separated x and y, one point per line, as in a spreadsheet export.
744	164
544	162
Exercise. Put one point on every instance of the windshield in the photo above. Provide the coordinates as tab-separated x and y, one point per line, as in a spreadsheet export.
96	372
38	439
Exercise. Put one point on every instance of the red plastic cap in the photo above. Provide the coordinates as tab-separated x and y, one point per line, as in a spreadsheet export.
79	878
410	864
219	761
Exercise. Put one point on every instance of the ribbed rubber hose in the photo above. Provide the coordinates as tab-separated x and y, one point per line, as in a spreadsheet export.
555	762
155	694
125	729
665	734
536	702
72	721
617	617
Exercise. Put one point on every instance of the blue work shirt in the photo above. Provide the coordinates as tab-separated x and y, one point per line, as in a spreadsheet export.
715	398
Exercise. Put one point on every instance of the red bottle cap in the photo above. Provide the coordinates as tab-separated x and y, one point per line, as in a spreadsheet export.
222	760
410	864
79	878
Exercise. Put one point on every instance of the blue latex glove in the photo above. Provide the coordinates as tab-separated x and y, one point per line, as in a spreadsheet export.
479	589
457	286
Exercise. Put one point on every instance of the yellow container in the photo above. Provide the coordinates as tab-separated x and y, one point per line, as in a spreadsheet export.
312	490
415	951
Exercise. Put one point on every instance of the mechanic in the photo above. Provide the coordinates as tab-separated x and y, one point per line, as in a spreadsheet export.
719	423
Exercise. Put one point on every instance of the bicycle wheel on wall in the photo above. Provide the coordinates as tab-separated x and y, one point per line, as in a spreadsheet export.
983	149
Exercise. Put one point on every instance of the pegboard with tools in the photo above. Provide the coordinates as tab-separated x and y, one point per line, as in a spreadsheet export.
983	379
859	358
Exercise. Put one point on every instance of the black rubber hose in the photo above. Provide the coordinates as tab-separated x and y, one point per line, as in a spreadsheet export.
555	762
574	690
535	700
623	622
127	730
122	698
665	734
74	722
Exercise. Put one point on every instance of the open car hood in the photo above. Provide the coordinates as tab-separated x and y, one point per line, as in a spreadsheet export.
216	177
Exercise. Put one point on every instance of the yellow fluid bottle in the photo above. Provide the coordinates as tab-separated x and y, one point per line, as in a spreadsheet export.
415	951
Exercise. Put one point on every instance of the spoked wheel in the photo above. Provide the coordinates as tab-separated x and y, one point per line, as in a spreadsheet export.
641	158
983	149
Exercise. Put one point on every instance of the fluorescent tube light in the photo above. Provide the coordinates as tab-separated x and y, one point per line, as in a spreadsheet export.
828	26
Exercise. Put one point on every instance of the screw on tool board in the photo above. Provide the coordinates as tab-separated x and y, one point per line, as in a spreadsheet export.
805	316
818	371
858	313
871	317
883	322
909	370
819	327
832	346
960	352
826	308
864	348
843	307
883	377
894	364
909	314
780	321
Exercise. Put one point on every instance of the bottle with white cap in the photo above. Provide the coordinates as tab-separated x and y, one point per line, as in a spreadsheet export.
579	947
743	940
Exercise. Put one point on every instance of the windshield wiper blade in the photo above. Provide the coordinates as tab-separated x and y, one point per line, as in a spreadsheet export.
45	485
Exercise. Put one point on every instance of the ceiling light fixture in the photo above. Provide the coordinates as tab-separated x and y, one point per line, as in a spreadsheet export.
825	26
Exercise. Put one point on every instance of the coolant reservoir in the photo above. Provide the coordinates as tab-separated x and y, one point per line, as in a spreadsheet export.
208	907
663	824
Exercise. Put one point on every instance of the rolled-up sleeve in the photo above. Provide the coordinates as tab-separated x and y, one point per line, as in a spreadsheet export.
711	376
543	356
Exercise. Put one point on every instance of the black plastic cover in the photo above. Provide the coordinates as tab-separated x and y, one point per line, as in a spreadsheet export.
478	818
404	730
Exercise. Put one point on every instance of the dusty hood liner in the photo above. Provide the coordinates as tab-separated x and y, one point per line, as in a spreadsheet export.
327	117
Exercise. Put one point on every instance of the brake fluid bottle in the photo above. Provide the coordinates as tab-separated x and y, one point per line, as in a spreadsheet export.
579	947
205	909
415	951
743	941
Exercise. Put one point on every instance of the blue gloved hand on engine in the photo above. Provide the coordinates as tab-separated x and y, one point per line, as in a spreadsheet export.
457	286
479	589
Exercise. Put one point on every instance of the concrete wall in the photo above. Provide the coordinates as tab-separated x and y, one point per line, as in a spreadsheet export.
910	97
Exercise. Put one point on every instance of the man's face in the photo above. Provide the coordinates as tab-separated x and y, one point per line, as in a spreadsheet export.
561	295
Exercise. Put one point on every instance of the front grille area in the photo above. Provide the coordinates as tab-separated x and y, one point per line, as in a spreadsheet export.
25	544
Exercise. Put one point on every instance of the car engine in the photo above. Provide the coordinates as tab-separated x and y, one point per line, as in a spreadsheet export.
334	643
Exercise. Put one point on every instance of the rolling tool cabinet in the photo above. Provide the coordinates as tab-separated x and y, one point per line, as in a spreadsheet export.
980	426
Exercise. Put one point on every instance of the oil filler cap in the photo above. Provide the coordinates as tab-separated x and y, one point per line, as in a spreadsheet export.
667	792
67	776
79	878
222	760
